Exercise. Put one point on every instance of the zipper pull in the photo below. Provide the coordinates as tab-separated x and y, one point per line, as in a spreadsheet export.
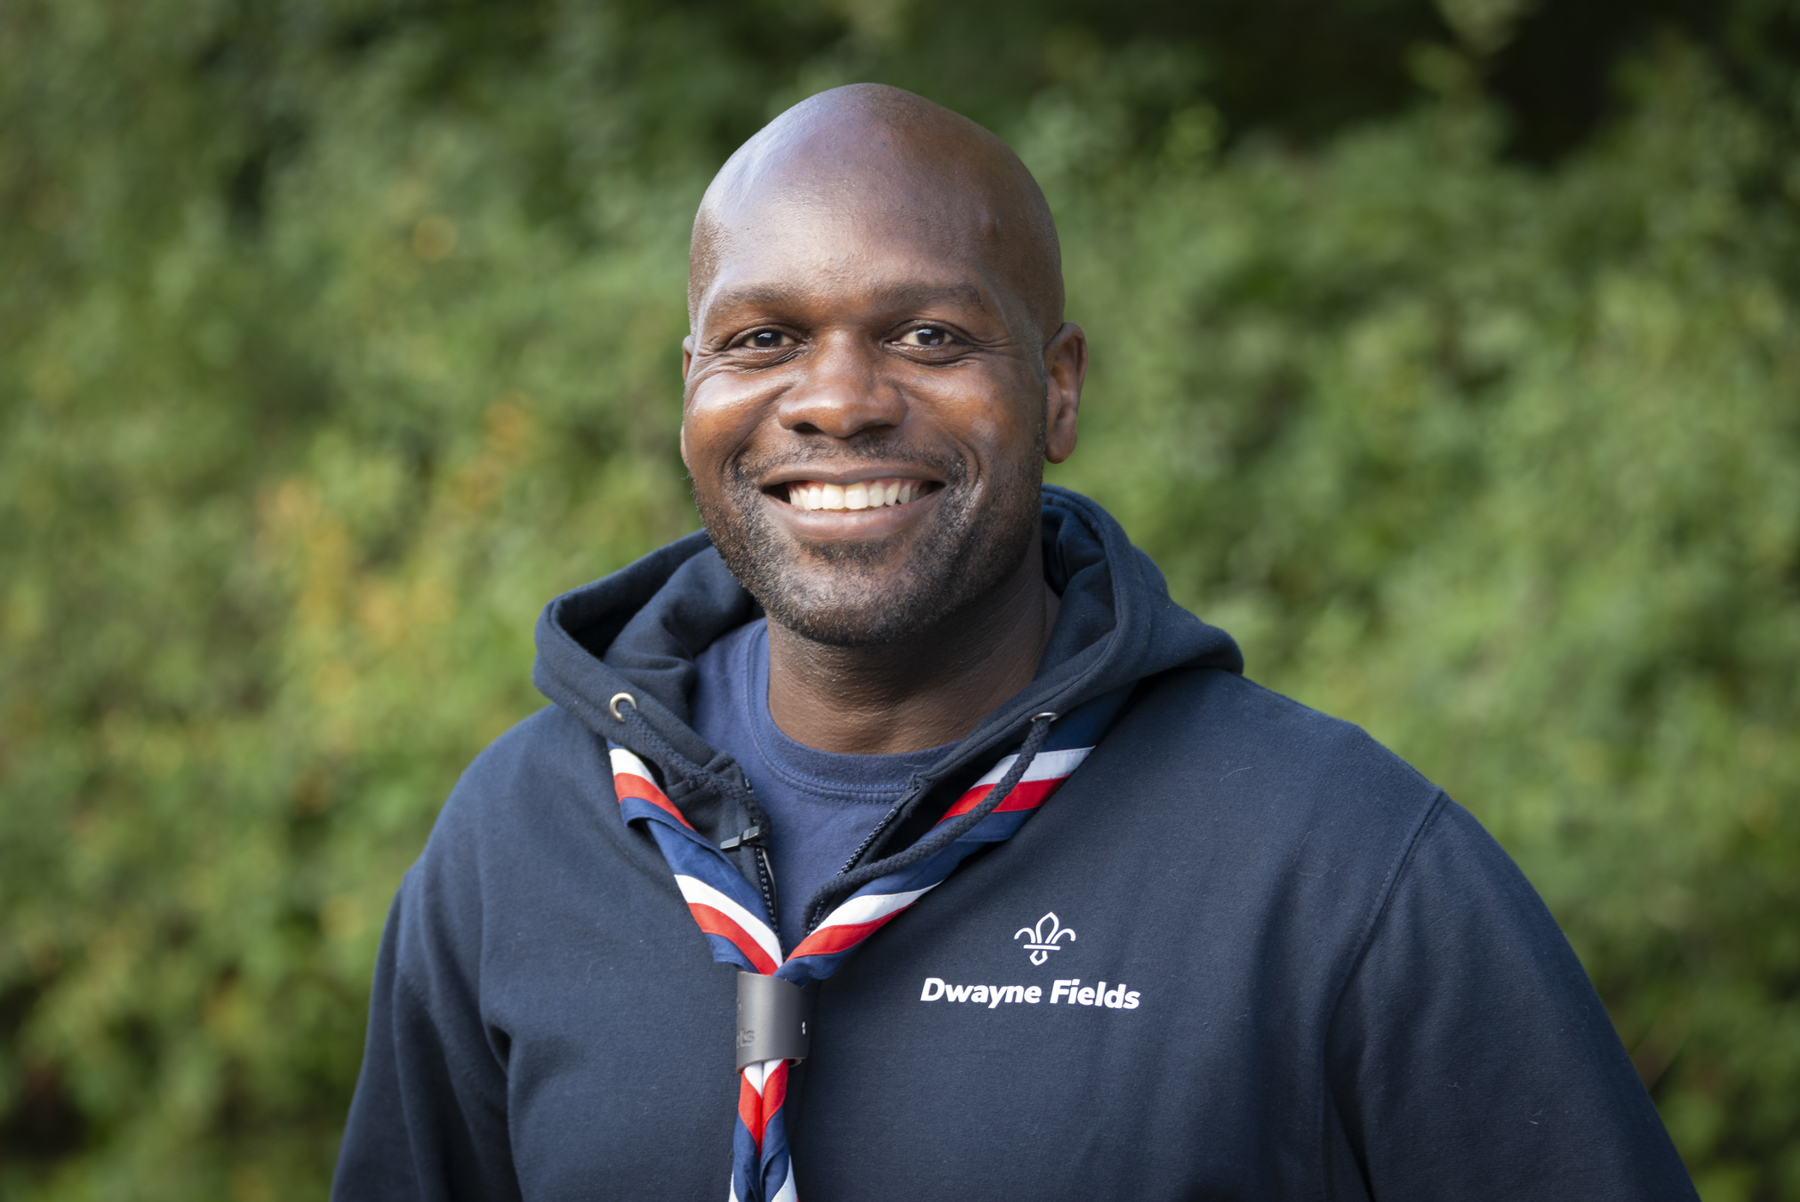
752	836
757	839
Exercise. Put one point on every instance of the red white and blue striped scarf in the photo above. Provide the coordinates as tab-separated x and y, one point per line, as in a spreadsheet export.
730	911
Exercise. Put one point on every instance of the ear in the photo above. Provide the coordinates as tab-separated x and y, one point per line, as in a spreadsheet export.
1065	368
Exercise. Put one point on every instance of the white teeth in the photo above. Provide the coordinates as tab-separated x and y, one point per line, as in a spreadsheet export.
863	494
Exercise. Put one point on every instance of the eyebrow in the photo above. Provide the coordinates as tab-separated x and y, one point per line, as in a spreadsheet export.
896	297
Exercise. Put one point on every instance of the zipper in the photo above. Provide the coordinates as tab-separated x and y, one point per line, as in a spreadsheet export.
765	880
756	838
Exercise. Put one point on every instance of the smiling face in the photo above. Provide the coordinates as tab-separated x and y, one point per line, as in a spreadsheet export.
871	392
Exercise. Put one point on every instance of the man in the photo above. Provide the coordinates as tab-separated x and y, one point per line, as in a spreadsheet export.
899	837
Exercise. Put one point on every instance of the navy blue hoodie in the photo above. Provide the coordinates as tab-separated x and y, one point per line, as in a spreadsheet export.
1288	967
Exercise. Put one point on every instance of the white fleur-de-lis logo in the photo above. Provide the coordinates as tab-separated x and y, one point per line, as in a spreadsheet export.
1043	937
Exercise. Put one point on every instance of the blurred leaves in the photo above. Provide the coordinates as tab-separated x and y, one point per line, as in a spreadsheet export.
1507	467
336	338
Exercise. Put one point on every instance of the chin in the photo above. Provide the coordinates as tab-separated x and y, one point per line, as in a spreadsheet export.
835	608
883	591
879	593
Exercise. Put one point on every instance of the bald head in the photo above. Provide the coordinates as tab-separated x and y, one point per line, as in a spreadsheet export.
877	372
893	163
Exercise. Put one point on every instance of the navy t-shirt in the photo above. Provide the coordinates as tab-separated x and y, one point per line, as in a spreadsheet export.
821	804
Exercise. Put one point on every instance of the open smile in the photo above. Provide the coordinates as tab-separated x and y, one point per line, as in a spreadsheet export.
857	494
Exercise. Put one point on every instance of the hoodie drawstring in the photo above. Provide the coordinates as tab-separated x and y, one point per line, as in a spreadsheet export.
951	831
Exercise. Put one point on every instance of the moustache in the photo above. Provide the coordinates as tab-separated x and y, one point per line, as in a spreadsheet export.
948	468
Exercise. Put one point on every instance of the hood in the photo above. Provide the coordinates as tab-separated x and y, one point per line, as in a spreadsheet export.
638	630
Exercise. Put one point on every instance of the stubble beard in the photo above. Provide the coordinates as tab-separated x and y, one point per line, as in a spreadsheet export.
831	593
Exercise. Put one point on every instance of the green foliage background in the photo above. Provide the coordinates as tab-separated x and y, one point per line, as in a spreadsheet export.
1449	356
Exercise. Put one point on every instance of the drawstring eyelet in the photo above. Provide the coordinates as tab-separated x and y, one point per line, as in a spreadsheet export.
613	705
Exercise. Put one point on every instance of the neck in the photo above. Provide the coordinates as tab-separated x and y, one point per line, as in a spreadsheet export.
923	691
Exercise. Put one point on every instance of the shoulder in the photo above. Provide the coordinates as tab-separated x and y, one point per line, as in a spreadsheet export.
1219	731
535	792
1233	707
1283	817
545	754
1466	981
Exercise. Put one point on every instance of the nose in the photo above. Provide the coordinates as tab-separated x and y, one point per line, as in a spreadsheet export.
842	391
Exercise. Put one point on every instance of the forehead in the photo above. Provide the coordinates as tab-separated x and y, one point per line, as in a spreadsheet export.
837	237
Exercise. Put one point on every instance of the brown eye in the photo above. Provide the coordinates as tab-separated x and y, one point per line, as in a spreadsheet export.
927	336
767	340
